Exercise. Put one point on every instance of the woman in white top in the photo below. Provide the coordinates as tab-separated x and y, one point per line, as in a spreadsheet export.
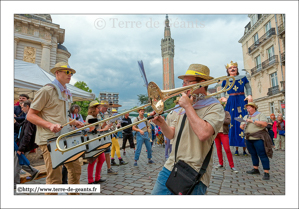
75	114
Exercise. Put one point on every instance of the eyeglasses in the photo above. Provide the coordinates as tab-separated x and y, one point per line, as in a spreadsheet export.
187	82
67	72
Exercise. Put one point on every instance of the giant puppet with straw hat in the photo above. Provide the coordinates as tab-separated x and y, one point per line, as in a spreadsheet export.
235	105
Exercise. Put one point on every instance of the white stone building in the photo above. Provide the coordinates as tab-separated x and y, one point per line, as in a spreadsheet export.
110	97
263	46
39	41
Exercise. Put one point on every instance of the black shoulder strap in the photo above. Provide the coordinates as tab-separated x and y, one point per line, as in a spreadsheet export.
205	163
179	136
206	160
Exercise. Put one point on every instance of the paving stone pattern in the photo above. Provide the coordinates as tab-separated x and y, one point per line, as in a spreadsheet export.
141	180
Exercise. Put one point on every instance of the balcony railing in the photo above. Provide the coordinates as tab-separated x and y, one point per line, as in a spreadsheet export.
269	62
253	46
273	90
281	29
283	57
256	69
262	39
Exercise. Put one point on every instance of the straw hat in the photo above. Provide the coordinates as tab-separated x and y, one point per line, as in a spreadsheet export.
94	103
198	70
141	109
62	66
252	104
104	103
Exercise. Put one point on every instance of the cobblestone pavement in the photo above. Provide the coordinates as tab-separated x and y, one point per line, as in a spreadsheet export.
141	180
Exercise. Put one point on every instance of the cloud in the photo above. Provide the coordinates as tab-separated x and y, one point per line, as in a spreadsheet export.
106	59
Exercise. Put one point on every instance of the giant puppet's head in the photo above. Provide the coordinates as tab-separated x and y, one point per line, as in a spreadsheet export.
232	69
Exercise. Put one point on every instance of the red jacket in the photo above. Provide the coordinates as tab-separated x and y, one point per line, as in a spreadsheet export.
275	127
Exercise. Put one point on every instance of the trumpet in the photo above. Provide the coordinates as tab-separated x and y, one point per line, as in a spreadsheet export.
157	98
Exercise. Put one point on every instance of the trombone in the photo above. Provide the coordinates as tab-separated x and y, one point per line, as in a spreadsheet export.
157	98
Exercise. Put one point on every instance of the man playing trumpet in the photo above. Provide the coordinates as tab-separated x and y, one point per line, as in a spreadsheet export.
204	119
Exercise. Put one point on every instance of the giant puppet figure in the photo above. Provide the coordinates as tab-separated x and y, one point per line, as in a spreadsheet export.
235	105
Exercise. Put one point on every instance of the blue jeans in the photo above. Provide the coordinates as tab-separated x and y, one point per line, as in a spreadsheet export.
15	135
256	149
153	139
271	133
168	148
161	189
140	140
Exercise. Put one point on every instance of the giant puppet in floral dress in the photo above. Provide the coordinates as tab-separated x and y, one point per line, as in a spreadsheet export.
236	105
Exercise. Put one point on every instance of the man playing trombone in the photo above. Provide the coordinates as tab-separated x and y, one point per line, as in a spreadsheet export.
204	119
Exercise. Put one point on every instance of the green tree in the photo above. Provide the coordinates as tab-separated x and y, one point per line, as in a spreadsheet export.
143	99
83	104
82	85
169	103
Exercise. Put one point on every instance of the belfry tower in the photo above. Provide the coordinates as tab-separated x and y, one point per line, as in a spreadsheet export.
167	51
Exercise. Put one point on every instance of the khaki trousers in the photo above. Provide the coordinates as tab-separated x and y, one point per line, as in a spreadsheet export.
54	176
280	139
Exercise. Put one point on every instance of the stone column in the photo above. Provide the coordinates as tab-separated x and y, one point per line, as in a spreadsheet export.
45	61
16	44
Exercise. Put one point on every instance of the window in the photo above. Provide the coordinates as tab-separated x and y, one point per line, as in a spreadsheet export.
256	39
270	53
247	27
268	26
272	107
273	78
258	63
254	19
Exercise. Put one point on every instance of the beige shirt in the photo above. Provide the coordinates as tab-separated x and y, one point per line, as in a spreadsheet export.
51	109
106	115
252	128
170	118
145	128
191	150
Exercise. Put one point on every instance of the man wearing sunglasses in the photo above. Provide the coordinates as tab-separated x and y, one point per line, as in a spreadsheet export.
48	113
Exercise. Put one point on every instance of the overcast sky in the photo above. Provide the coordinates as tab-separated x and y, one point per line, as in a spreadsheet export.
105	48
